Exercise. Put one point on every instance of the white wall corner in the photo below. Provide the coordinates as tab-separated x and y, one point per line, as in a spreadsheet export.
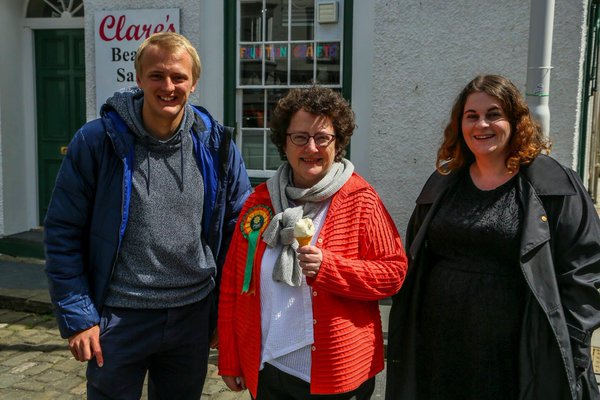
2	230
578	111
362	84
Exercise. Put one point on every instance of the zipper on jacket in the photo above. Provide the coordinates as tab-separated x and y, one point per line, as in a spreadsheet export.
123	192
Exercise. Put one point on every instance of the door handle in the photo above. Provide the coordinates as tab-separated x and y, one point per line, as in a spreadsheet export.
63	150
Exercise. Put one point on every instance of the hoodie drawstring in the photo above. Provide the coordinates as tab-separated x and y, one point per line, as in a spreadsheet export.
181	153
148	164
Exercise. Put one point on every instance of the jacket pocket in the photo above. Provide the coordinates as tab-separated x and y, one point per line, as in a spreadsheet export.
580	346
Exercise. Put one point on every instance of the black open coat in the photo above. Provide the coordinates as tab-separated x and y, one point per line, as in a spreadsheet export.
560	261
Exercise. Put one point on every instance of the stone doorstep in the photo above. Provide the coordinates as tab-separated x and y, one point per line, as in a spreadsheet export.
14	302
21	248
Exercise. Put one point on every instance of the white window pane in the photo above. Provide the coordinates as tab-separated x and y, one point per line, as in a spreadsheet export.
251	64
273	96
276	64
328	63
253	148
302	61
253	108
303	17
251	21
277	21
273	157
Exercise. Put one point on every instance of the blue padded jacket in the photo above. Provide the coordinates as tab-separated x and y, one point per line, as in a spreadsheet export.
88	212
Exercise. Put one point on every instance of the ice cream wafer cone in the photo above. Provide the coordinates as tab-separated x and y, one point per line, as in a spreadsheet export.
304	240
304	230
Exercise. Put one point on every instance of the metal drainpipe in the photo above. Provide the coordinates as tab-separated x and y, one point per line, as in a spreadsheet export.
537	93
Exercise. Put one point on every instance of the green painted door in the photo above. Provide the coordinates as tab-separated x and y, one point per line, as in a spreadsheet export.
60	100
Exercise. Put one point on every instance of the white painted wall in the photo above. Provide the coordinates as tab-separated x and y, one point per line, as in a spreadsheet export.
18	143
200	21
210	46
1	173
424	54
14	195
362	84
570	31
410	60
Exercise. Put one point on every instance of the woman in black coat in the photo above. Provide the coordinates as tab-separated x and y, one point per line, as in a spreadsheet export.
501	296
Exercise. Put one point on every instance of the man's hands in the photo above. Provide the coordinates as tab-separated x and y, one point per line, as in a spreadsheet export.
85	345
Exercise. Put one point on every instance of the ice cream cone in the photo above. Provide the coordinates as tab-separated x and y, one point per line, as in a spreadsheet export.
304	240
304	230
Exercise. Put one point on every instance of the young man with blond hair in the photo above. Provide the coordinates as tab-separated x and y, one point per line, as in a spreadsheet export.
138	226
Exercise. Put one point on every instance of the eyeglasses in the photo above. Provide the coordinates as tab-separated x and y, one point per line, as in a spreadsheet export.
302	139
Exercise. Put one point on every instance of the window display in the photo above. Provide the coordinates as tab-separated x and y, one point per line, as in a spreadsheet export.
280	45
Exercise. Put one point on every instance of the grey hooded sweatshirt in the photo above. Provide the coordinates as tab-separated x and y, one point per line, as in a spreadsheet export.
163	261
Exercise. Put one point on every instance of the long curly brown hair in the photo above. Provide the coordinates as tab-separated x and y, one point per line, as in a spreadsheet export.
319	101
526	141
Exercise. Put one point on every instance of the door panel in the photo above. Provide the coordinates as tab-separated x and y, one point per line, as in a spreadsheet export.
60	97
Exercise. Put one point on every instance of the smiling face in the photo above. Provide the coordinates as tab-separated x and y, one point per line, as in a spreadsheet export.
309	163
485	127
166	79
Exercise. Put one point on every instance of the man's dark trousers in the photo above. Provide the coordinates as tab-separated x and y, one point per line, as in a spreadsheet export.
171	344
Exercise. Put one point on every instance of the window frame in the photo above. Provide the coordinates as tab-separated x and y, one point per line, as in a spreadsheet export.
231	59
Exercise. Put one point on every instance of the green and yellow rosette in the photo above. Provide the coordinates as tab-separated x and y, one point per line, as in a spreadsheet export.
254	222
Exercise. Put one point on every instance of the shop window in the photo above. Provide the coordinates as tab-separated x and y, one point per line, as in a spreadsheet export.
281	44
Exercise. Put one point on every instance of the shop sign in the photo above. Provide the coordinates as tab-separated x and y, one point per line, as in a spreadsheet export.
117	35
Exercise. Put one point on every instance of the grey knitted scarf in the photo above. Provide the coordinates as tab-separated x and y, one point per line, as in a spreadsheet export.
281	227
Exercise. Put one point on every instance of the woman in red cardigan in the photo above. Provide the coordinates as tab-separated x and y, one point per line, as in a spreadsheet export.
297	321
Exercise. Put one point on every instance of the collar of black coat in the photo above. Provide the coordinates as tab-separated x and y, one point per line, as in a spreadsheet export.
545	174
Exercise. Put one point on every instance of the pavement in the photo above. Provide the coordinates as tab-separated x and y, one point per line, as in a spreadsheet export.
35	362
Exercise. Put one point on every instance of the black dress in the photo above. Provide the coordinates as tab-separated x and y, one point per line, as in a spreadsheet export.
474	296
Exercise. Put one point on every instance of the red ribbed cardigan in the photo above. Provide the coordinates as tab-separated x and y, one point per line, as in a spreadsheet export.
363	261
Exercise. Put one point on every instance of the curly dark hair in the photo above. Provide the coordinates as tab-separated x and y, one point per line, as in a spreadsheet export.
319	101
526	141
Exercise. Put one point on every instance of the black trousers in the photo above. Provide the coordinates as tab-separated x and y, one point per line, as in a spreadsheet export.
276	384
170	344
